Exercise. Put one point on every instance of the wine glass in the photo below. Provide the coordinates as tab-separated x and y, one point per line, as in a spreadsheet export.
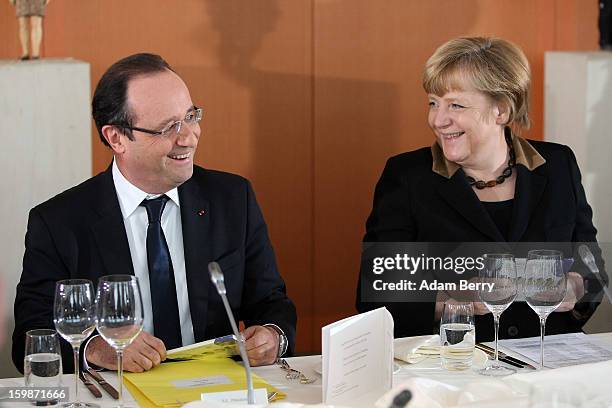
500	271
545	285
119	315
74	318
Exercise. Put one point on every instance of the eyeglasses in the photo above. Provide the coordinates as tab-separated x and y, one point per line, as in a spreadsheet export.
172	129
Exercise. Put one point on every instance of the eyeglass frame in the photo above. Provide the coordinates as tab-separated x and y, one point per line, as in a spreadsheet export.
199	113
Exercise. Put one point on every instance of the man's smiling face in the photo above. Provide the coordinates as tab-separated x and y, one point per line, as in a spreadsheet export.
155	163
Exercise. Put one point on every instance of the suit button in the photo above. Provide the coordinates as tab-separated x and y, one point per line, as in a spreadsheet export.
512	331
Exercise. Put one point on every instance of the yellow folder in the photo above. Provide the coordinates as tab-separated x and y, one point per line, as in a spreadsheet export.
177	383
220	347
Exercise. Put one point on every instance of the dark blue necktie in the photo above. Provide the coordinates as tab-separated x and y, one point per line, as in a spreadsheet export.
166	322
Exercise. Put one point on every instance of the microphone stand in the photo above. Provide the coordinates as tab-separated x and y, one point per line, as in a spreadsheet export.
589	260
217	278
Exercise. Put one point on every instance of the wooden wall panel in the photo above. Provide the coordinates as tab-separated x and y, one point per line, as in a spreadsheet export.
307	98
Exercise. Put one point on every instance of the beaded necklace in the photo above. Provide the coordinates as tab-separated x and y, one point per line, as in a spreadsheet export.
481	184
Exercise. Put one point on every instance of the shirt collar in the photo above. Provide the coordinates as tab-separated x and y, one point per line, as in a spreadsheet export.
525	154
131	196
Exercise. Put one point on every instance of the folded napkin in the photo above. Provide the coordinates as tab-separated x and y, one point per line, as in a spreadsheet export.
588	382
428	393
586	385
415	349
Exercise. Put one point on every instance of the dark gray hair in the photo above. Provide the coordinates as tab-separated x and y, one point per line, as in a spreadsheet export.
109	103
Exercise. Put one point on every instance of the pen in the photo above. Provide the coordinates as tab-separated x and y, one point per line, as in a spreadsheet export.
504	357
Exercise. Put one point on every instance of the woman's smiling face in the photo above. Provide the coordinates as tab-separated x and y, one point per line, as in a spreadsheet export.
466	125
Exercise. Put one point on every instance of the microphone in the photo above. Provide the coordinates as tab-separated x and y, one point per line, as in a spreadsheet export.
401	400
589	260
217	278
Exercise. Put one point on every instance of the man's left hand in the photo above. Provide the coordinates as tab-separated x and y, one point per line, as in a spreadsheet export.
261	345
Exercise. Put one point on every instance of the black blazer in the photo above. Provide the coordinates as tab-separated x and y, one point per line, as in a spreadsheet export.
412	203
80	234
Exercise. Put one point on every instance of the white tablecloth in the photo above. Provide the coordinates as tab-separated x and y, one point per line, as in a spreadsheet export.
296	392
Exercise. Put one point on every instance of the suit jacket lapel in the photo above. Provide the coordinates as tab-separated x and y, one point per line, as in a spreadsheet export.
528	192
195	221
109	231
458	194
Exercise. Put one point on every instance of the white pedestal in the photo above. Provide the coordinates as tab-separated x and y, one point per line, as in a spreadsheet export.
578	113
45	128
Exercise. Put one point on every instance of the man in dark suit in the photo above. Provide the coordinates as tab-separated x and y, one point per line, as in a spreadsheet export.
110	225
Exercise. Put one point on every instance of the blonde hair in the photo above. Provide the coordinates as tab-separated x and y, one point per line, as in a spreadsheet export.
492	66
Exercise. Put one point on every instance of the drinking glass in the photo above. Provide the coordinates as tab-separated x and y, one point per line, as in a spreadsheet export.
544	285
42	364
74	318
457	335
119	315
500	271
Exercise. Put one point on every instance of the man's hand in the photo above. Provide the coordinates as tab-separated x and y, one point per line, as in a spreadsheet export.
574	292
261	345
145	352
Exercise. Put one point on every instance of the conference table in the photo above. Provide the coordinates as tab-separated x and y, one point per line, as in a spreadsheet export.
311	393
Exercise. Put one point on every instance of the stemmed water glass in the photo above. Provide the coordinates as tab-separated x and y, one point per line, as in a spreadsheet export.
545	285
119	316
500	271
74	318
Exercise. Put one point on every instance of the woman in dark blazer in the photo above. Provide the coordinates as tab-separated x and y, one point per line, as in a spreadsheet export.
480	182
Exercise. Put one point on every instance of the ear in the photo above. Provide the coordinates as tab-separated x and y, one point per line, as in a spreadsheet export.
115	138
502	113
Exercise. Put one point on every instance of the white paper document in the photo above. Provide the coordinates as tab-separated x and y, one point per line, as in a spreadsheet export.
561	350
239	397
202	382
357	357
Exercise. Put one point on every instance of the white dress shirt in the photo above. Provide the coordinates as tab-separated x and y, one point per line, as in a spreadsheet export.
136	222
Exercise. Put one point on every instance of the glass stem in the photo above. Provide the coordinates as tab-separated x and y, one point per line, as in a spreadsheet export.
496	325
120	375
77	366
542	331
